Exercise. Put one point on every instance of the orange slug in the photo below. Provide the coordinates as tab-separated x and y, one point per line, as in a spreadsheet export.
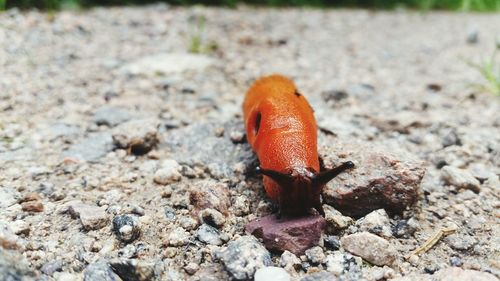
282	131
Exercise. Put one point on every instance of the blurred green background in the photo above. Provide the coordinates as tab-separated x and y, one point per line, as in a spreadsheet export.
457	5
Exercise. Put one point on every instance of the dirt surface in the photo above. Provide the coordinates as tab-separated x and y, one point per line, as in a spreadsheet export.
122	156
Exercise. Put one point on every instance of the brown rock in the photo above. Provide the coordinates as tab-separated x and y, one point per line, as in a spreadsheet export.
209	194
381	179
32	196
292	234
91	217
32	206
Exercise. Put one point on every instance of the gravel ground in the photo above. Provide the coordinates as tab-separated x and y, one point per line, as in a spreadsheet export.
123	156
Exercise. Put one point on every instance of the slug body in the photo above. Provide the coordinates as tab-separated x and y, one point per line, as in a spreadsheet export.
282	130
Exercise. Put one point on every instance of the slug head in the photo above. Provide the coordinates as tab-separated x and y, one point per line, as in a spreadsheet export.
301	188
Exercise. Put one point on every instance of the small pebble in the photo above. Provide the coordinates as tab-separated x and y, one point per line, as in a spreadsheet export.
32	206
191	268
126	228
168	172
271	273
315	255
212	217
209	235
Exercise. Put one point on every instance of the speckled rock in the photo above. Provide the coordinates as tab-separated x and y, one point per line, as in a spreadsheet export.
197	144
100	270
243	256
13	267
292	234
209	235
370	247
210	194
381	179
133	270
178	237
460	178
376	222
315	255
126	228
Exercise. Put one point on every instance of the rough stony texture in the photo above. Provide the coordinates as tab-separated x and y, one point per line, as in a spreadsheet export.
460	178
381	179
13	267
210	194
451	274
370	247
291	234
126	228
111	116
137	136
378	81
91	217
243	256
376	222
168	172
100	270
271	273
133	270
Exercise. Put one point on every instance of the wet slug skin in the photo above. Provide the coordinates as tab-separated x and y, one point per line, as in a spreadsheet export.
282	130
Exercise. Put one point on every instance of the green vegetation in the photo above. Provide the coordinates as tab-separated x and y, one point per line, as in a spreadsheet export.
460	5
197	42
490	70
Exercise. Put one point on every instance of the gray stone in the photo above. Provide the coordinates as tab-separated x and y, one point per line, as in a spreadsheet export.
92	148
271	273
209	235
167	64
111	116
133	270
460	242
370	247
376	222
91	217
126	228
343	264
13	267
100	270
8	196
51	267
243	256
460	178
315	255
197	145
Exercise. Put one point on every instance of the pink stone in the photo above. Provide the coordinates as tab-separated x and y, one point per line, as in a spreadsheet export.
292	234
